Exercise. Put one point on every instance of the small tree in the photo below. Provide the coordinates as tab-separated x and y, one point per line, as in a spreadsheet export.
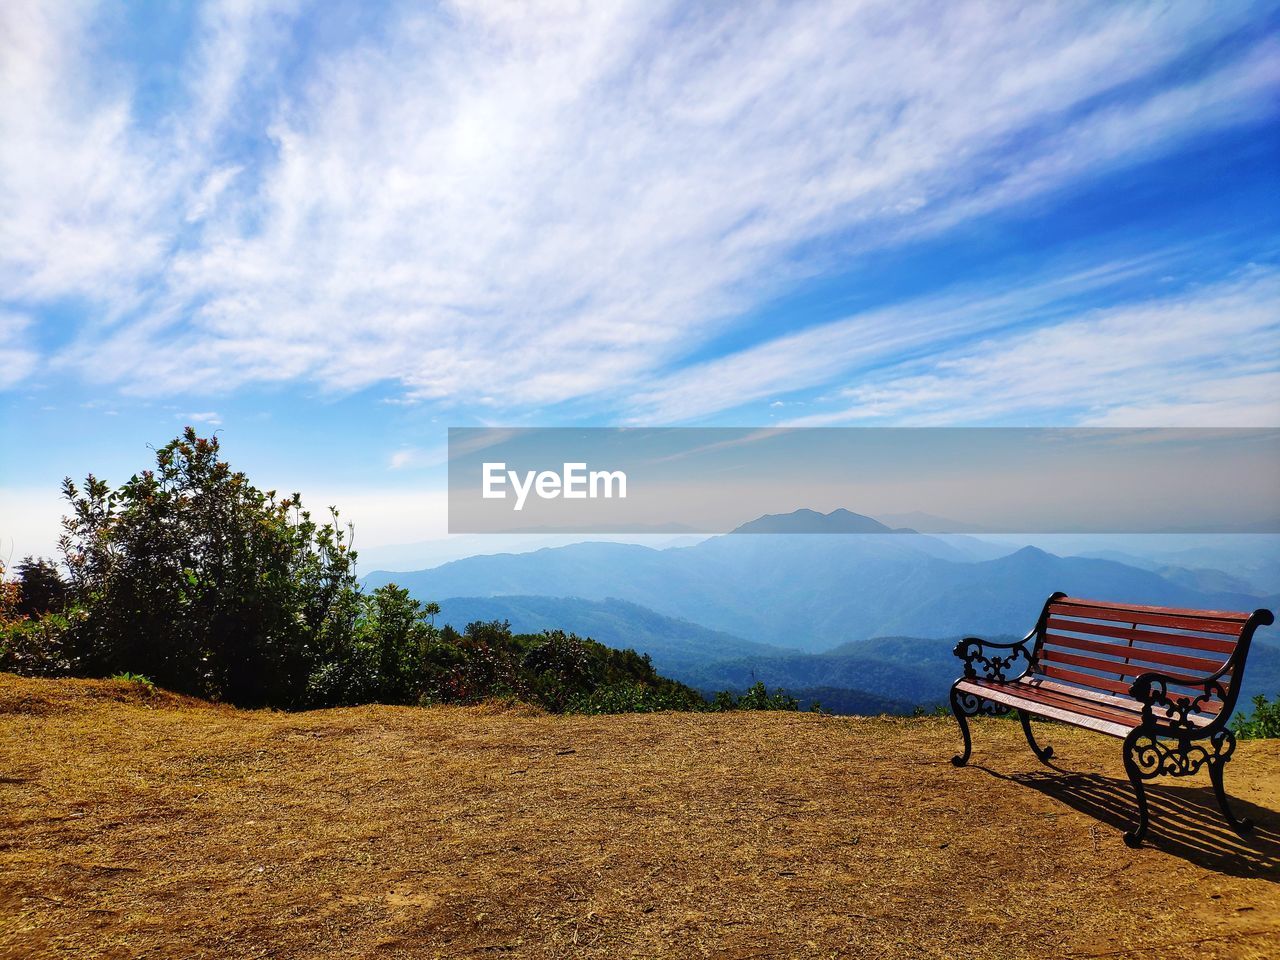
10	599
380	650
194	577
41	588
561	667
1263	724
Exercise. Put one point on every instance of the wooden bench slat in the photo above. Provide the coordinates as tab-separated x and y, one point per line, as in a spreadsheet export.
1073	703
1011	695
1102	705
1164	618
1112	699
1162	658
1073	676
1212	644
1209	708
1081	705
1236	615
1115	668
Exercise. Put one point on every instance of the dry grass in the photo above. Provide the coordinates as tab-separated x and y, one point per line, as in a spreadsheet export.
135	825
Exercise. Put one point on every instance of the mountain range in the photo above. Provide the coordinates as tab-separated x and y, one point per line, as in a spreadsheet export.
773	602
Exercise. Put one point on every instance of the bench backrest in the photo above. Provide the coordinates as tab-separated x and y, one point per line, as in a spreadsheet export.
1106	646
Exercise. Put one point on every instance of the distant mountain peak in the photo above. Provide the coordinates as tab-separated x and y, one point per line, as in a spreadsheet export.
811	521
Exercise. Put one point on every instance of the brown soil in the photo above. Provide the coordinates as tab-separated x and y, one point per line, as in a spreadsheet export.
149	825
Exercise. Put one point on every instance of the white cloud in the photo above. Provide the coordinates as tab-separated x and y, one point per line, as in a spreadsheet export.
92	199
516	206
386	516
210	417
17	360
213	187
1204	358
77	189
821	354
417	457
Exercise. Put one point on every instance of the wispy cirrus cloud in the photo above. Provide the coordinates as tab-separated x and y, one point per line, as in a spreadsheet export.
823	354
17	359
507	207
1207	357
79	193
92	191
208	417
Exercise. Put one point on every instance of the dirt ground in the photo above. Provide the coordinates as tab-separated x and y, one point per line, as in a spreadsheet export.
135	825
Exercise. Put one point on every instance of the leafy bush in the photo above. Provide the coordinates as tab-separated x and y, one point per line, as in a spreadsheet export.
189	577
40	588
937	710
396	655
1265	722
756	698
38	646
10	599
210	585
137	678
636	698
373	648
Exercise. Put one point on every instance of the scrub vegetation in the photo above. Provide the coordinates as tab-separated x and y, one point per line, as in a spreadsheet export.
193	578
137	823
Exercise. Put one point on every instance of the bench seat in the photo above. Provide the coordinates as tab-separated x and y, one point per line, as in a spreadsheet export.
1094	710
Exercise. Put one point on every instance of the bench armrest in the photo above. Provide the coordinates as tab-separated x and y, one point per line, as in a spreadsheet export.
1176	709
983	661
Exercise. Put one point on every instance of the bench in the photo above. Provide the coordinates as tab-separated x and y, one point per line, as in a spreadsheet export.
1161	679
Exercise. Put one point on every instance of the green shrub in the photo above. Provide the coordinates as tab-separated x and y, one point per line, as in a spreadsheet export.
373	648
210	585
937	710
38	646
189	577
636	698
1264	724
756	698
40	587
134	678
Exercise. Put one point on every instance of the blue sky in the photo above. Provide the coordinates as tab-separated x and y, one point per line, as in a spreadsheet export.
330	231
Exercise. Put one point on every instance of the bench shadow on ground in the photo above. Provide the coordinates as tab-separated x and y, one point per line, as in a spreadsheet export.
1186	821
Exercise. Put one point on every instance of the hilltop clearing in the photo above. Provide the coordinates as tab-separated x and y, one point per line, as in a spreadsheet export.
144	824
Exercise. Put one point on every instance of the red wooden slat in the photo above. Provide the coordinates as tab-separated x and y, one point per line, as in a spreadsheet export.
1188	641
1123	702
1106	683
1126	709
1074	704
1112	667
1096	683
1164	658
1013	698
1164	618
1088	708
1098	696
1125	608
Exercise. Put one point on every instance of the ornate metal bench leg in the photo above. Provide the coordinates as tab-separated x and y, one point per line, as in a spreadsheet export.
959	709
1133	838
1225	743
1043	754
